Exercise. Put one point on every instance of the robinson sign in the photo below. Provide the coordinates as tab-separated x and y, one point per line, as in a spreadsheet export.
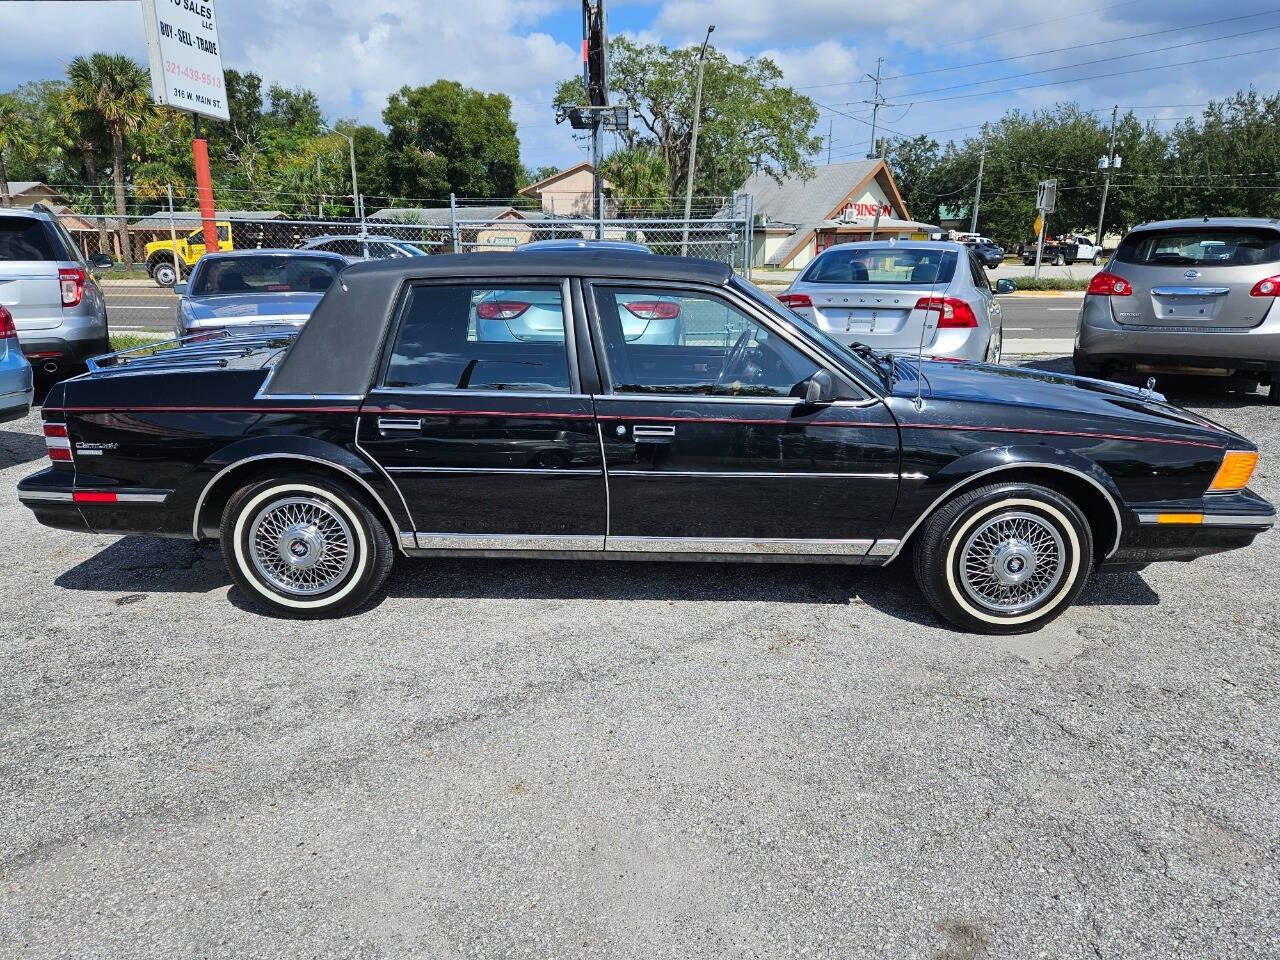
185	56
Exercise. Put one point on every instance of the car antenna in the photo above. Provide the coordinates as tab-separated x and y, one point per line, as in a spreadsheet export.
933	283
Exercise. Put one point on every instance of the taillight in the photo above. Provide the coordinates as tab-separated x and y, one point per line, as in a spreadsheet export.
56	439
1269	287
952	312
795	301
93	496
1109	285
7	328
654	309
500	309
71	279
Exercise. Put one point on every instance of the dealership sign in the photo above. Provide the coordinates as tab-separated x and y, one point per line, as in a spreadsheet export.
185	56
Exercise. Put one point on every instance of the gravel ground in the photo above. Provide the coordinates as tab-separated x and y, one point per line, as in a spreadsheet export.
521	759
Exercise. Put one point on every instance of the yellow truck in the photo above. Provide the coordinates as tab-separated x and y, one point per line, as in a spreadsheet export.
190	247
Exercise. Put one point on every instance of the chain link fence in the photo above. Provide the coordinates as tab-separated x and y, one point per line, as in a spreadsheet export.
150	250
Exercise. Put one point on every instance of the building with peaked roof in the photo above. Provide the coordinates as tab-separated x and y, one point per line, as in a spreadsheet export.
799	217
567	193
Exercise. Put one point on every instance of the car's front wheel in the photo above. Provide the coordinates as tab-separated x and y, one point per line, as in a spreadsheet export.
1097	259
1004	558
304	546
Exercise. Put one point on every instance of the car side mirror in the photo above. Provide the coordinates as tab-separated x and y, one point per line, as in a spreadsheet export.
820	389
180	289
1004	285
101	260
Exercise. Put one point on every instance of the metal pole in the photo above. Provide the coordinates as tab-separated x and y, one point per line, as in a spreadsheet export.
1044	222
1106	183
453	221
829	128
875	105
173	237
693	143
977	194
733	232
751	232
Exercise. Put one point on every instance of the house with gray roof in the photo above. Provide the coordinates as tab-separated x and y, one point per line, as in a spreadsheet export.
800	217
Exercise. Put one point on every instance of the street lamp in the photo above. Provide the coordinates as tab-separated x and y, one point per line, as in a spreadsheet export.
355	188
693	143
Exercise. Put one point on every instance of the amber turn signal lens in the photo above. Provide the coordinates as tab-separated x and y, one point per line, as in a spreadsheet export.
1237	467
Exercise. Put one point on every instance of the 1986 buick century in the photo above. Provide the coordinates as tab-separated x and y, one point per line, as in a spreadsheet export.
420	411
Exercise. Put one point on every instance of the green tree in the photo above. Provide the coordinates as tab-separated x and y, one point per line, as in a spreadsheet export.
750	120
637	175
119	91
15	138
447	138
912	163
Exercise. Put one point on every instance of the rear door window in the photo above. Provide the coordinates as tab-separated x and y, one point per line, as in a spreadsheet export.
25	238
1196	247
465	337
882	266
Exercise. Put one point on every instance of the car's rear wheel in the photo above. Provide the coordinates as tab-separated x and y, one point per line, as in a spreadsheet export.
1058	260
1004	558
304	546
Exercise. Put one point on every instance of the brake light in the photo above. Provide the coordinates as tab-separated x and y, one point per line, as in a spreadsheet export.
953	313
7	328
71	279
56	439
1236	470
1269	287
796	301
500	309
1109	285
654	309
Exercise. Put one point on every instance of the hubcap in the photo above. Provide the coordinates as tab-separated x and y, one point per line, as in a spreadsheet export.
300	545
1012	562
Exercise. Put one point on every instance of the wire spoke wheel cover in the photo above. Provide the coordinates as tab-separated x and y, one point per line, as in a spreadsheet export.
1012	562
301	545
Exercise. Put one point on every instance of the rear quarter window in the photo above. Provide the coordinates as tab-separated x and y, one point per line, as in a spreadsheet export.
26	238
1201	246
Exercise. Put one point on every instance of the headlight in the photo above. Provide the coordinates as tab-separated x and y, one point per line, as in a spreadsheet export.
1237	467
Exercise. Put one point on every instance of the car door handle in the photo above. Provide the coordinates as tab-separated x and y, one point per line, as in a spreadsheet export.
399	423
652	433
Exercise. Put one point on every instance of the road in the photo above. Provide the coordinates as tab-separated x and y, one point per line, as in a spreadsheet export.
146	307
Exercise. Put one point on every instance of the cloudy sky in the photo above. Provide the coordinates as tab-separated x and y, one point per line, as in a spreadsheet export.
951	63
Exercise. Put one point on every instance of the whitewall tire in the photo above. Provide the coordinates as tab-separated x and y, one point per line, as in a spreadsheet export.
1004	558
304	546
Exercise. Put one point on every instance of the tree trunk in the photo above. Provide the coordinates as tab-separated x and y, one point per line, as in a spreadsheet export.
91	176
117	176
5	199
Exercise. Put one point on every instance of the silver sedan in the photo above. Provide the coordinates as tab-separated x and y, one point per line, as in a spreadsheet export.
903	297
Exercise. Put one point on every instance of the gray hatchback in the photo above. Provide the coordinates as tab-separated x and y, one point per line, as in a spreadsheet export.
1187	297
57	307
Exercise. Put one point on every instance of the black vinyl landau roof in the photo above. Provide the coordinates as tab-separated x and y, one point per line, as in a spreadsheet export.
337	352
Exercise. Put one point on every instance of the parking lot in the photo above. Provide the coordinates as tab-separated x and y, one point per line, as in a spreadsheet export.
552	759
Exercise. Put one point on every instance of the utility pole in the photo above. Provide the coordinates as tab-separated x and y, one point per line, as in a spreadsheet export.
1106	181
977	194
829	126
693	143
876	103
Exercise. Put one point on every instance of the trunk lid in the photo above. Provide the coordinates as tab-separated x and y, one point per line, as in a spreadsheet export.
882	317
30	290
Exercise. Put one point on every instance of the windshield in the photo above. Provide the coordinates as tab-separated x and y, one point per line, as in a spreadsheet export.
1201	247
264	274
883	266
828	343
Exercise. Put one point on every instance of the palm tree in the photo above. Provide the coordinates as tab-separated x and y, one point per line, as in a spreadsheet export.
117	90
15	138
74	137
637	174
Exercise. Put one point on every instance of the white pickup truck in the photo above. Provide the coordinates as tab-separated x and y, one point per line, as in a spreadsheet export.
1085	250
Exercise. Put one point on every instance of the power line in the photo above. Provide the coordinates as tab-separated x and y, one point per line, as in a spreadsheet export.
1101	76
1086	63
1041	53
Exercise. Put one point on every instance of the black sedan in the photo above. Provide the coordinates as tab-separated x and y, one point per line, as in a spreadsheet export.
398	422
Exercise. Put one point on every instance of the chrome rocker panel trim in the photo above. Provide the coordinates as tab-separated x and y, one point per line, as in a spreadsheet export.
1217	520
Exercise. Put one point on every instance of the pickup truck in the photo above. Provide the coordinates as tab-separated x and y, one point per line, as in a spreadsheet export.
1056	252
232	235
1087	250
